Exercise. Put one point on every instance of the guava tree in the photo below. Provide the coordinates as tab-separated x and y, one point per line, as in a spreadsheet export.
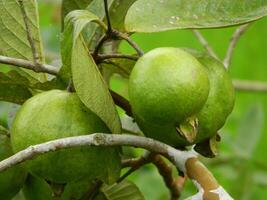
66	141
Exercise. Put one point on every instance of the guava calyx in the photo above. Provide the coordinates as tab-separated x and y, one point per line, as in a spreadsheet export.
188	129
209	147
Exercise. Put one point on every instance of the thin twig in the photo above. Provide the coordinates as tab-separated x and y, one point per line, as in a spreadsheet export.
250	86
116	55
107	16
29	65
36	56
234	39
117	65
205	43
121	102
186	161
166	172
125	37
135	164
100	43
93	191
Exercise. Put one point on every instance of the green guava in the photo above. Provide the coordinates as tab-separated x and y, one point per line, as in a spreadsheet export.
58	114
38	189
11	180
167	85
220	101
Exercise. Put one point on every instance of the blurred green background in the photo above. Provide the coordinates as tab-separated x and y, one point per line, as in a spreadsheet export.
241	166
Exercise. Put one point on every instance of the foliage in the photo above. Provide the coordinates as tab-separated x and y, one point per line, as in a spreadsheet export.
243	138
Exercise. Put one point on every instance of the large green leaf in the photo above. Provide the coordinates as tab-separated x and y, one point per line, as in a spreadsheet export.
161	15
13	35
125	190
91	88
75	22
88	81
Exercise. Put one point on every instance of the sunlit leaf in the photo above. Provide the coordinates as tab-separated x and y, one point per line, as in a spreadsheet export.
87	79
118	12
70	5
161	15
91	88
13	35
75	22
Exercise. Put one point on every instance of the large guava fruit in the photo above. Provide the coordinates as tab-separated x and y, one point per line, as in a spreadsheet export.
167	87
58	114
11	180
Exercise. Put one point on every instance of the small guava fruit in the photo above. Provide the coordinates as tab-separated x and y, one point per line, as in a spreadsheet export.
167	87
38	189
11	180
220	101
58	114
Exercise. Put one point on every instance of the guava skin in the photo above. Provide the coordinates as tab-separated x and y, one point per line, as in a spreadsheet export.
11	180
167	85
57	114
220	101
38	189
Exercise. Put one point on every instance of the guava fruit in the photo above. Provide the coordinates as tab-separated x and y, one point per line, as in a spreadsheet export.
11	180
38	189
58	114
167	86
220	101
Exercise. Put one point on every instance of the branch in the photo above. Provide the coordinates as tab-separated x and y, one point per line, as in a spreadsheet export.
135	164
234	39
29	65
107	16
166	173
186	161
132	43
250	86
205	43
175	186
116	55
121	102
30	38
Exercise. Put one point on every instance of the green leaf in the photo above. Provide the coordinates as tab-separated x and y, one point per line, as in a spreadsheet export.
91	88
75	22
125	190
162	15
14	77
118	12
250	131
88	82
14	93
13	35
70	5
